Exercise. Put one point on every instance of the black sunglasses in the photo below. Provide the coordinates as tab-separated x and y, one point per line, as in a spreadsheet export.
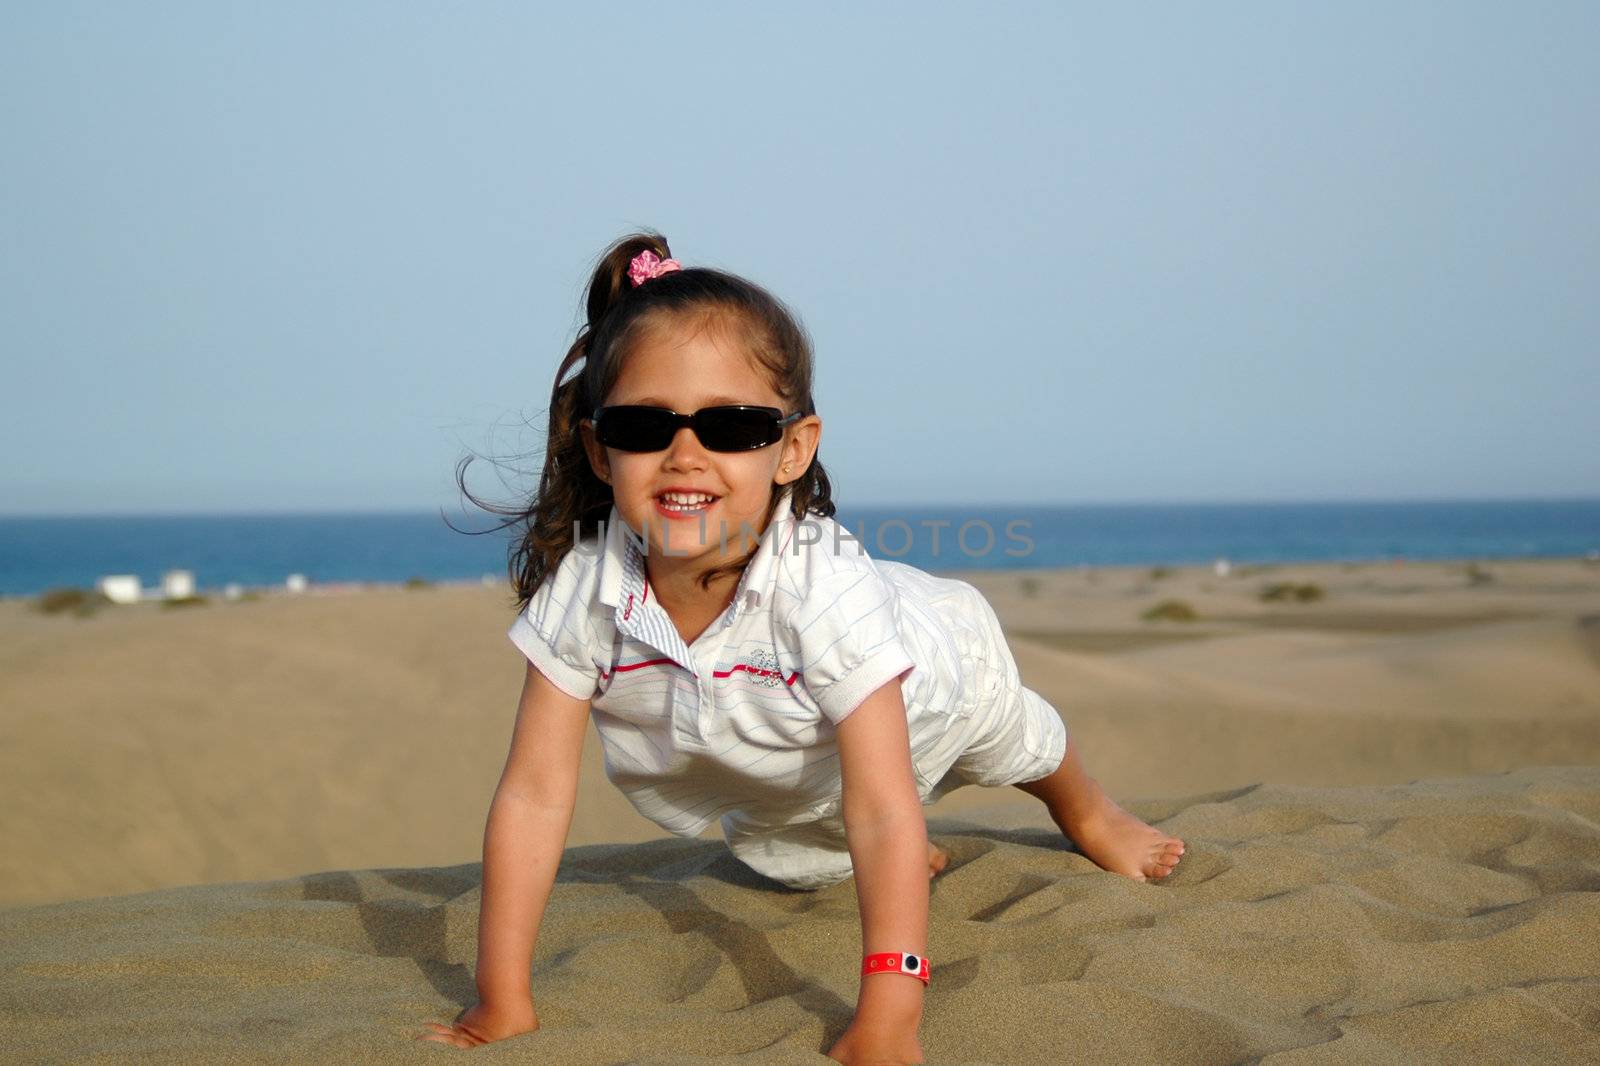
735	428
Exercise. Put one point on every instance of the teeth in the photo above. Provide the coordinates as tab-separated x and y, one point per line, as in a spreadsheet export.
688	499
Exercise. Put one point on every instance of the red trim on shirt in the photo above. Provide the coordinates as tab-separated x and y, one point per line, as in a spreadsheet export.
637	666
642	600
754	670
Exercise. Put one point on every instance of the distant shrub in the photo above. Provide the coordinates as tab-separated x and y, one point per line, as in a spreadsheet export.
417	583
1030	587
81	602
249	597
1159	572
1285	591
1171	611
1477	575
185	601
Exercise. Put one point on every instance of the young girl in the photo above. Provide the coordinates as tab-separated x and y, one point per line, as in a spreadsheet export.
684	582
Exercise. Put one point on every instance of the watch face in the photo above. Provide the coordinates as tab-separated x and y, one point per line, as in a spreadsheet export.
913	964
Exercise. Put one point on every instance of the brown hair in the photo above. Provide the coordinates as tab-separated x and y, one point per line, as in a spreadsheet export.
619	315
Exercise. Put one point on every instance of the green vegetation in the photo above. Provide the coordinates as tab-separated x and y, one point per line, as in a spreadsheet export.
1030	587
185	601
1159	572
1286	591
1171	611
1477	575
81	602
417	583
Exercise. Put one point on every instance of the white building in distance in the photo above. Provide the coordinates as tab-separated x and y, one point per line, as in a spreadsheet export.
177	584
119	588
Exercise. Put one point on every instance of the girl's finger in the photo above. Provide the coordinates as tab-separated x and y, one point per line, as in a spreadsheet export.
453	1039
443	1034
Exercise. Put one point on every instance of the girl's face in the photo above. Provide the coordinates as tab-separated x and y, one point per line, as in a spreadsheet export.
686	370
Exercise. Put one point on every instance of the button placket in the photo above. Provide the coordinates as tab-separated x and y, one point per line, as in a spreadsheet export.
706	682
685	735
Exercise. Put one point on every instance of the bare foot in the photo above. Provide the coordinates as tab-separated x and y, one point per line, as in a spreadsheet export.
1123	844
1111	837
937	858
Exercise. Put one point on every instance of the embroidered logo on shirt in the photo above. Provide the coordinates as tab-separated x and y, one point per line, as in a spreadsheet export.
763	669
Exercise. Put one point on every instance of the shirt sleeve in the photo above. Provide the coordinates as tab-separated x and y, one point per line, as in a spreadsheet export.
849	639
556	631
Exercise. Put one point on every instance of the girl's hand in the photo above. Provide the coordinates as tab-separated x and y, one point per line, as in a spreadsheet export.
867	1043
483	1022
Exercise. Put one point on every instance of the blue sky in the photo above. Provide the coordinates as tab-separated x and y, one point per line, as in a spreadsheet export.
305	256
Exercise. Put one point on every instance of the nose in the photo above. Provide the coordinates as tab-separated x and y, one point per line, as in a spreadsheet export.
685	451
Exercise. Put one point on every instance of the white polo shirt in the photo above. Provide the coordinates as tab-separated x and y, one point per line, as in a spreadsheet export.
741	723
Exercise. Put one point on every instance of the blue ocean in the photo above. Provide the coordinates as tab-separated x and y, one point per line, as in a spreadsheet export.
38	553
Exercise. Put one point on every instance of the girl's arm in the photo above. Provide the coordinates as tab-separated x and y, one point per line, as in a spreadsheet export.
522	844
527	830
888	840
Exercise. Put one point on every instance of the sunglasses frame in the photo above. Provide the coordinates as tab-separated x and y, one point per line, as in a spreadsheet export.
691	420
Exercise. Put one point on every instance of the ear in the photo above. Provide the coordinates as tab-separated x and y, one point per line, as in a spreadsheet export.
598	462
798	449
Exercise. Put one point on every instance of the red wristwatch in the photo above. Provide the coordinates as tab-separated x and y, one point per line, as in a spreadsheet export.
897	962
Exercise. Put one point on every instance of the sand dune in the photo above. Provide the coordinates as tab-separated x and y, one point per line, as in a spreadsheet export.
143	748
1442	920
1391	798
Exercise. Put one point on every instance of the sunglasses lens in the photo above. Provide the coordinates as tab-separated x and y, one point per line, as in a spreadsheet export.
635	429
720	429
736	429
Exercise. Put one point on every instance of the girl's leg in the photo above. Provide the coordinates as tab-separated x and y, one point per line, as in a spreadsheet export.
937	860
807	856
1108	835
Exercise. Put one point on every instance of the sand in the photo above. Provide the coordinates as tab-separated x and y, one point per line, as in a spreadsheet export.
1391	798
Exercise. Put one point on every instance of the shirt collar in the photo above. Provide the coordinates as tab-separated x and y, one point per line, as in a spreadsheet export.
622	559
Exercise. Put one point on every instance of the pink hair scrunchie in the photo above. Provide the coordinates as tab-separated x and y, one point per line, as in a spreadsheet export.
647	265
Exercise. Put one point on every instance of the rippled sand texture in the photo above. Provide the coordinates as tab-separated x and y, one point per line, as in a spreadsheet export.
144	748
1445	920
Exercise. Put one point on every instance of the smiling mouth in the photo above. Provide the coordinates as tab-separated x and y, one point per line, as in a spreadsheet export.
685	503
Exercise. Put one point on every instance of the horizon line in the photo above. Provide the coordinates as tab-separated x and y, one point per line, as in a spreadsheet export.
305	512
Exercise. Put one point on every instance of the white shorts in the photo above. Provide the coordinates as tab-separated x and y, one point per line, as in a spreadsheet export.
1008	735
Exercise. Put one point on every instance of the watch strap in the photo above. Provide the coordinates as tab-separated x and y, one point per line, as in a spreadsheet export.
897	962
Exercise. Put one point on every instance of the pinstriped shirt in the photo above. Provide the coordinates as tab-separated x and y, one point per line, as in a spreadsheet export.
741	723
